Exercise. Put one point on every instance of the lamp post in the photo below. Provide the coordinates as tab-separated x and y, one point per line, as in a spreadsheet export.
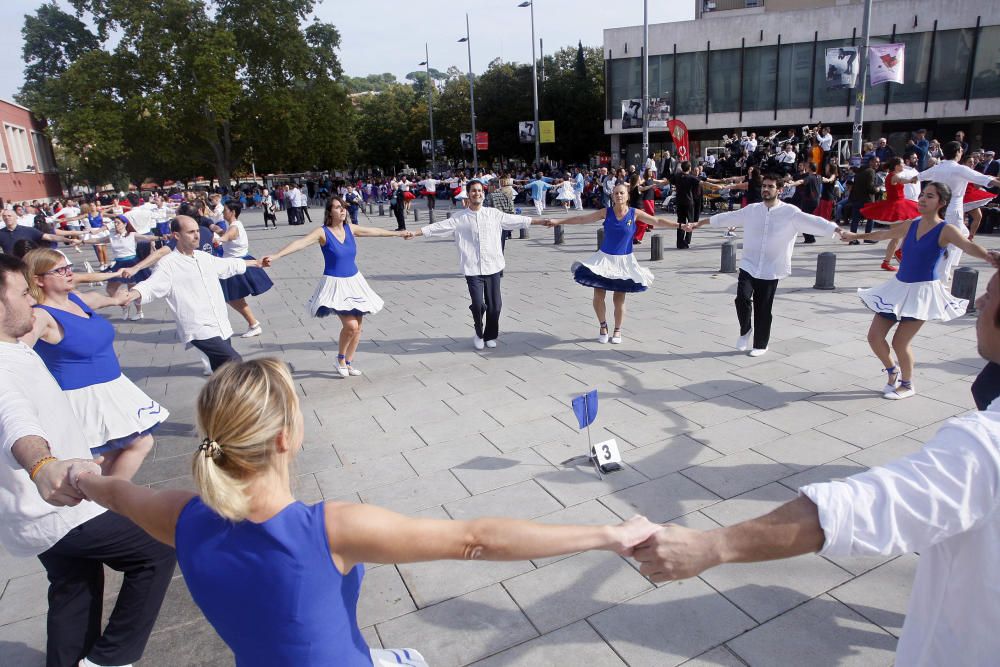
645	80
534	83
472	97
430	110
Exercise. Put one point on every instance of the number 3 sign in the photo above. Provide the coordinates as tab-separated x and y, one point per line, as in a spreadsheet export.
606	453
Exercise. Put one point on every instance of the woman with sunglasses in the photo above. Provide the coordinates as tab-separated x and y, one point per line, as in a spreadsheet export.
77	346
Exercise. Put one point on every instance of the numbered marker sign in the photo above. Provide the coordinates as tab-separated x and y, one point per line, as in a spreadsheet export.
606	452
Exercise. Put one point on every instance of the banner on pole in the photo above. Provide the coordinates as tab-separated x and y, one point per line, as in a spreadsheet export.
546	132
840	69
425	147
885	63
679	133
659	111
631	113
526	131
465	138
482	141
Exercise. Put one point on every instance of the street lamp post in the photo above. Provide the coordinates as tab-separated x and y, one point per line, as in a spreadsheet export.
430	110
472	96
534	83
645	80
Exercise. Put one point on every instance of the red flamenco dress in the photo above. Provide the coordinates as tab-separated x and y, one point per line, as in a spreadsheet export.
976	198
895	208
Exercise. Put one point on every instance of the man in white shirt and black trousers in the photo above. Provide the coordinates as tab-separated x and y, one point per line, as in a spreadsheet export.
188	279
42	515
769	232
942	502
477	230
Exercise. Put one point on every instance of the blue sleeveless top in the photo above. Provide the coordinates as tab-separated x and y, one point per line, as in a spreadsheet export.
338	258
618	233
920	257
86	354
271	589
95	221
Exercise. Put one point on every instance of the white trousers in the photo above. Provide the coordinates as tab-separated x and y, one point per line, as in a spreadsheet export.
539	205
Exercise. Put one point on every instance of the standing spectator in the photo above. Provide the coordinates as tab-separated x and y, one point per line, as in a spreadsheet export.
863	192
921	145
960	138
353	200
687	192
667	166
883	151
989	166
267	202
578	186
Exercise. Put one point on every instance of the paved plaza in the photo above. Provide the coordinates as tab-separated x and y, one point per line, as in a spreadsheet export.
434	428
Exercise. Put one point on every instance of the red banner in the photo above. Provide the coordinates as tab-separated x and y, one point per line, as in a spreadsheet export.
482	141
679	132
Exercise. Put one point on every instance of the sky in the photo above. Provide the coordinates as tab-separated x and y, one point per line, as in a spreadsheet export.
389	35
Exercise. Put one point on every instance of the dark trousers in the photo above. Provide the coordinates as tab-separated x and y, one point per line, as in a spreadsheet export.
304	215
431	201
75	568
485	294
293	215
218	351
684	238
856	216
755	297
400	214
270	217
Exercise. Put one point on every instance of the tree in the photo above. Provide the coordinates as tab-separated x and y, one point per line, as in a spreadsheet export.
573	97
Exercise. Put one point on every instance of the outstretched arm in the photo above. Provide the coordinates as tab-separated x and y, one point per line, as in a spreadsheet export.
585	218
893	232
358	230
315	236
950	234
642	216
155	511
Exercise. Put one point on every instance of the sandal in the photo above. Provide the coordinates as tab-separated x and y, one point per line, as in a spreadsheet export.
616	337
351	370
905	390
343	370
603	337
893	380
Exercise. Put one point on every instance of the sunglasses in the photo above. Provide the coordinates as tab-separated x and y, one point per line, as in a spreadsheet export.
65	270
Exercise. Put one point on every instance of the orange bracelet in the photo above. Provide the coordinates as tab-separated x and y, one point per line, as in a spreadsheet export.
39	465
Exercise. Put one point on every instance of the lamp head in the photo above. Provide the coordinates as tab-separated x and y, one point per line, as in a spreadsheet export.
422	62
464	39
526	3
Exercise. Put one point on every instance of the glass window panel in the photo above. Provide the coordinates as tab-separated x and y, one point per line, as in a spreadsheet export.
914	87
661	74
795	75
689	96
986	72
626	82
951	64
724	81
759	68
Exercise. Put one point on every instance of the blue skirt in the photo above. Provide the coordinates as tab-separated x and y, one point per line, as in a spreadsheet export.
128	264
588	278
255	281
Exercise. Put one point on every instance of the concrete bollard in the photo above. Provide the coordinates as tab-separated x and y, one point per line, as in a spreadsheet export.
523	233
600	237
826	270
656	248
728	257
560	234
381	209
963	286
414	215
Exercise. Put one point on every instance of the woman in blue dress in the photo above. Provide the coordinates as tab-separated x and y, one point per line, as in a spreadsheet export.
614	268
279	580
342	291
914	294
77	346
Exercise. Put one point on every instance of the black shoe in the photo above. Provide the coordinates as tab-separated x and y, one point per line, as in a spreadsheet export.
870	241
809	241
854	243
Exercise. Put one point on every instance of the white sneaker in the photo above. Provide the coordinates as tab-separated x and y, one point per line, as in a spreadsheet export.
758	352
136	316
900	392
616	337
743	342
491	343
478	343
603	337
730	233
353	372
344	371
255	330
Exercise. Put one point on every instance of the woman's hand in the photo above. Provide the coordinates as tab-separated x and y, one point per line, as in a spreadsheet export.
631	533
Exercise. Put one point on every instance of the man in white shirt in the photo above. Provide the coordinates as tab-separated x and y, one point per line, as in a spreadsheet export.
24	217
42	515
428	188
769	232
189	280
825	142
956	176
477	230
911	190
943	502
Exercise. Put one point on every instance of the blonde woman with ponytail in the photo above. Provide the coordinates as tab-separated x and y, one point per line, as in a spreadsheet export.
277	579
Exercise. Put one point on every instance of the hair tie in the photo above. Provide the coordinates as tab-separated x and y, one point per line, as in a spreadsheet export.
211	448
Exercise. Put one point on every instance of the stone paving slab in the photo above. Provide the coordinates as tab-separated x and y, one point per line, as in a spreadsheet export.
435	428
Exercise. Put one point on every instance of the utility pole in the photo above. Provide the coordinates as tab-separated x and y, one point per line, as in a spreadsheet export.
859	103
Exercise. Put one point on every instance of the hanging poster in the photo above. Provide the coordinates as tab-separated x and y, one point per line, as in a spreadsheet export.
885	63
482	141
425	147
526	131
631	113
679	133
546	132
659	111
840	67
465	138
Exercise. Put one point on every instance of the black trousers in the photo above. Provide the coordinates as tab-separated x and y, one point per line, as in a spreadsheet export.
684	238
400	214
218	351
270	217
431	201
75	568
293	215
755	297
304	215
485	294
856	217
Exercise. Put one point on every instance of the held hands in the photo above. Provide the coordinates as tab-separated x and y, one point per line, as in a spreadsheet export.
676	552
81	467
406	234
993	257
266	261
847	236
549	222
628	534
55	485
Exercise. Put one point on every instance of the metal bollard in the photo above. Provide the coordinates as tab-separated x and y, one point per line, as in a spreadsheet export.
963	286
414	215
369	208
448	214
656	248
560	234
826	269
728	257
430	215
600	237
523	234
381	209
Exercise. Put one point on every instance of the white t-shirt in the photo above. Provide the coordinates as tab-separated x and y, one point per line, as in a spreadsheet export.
238	247
956	176
141	219
910	190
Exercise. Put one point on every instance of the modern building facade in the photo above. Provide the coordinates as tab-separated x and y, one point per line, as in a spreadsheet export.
28	169
760	64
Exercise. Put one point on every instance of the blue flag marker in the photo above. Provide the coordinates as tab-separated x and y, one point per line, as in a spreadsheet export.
585	408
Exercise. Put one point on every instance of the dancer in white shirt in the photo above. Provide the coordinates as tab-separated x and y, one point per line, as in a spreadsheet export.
477	230
941	502
189	280
769	232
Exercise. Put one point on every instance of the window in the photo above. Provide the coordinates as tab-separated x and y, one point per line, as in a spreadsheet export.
20	157
626	82
951	64
43	152
795	75
759	67
689	96
986	71
4	164
724	84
